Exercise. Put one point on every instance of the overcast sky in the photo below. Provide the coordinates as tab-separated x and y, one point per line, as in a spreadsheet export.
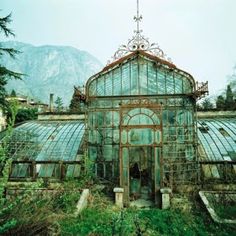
198	35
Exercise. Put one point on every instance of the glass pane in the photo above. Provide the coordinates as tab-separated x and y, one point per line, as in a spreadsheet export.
161	82
152	79
126	79
117	81
169	84
101	86
141	136
107	152
143	77
124	137
134	78
178	86
140	120
108	84
158	136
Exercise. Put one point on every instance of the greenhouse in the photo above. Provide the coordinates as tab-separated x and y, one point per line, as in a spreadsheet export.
46	149
141	120
139	130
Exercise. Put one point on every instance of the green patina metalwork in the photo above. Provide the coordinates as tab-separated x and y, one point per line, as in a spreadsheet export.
141	111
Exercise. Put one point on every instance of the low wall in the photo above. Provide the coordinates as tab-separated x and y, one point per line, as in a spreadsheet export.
216	114
56	116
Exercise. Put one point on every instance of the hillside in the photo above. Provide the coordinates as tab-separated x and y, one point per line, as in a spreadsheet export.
49	69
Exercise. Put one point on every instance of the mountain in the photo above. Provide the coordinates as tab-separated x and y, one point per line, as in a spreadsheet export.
49	69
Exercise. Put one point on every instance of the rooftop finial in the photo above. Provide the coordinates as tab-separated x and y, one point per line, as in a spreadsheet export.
139	42
138	17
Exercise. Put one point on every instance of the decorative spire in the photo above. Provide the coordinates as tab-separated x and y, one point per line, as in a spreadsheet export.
139	42
138	18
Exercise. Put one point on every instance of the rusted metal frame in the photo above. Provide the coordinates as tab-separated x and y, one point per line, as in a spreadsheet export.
141	145
112	163
156	75
46	162
154	127
147	56
120	150
201	89
117	97
165	72
126	108
174	82
225	170
130	76
157	109
183	162
141	102
121	78
32	167
147	89
111	74
217	162
138	126
177	172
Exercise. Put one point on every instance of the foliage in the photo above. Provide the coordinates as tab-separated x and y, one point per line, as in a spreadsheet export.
59	104
76	103
13	93
220	103
26	114
6	74
228	102
226	211
5	163
39	211
207	104
105	219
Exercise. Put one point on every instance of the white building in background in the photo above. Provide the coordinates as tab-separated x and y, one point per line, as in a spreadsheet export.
3	122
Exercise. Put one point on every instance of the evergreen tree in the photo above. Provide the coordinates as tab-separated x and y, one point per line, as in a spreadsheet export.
77	102
13	93
207	105
6	74
59	104
220	103
229	101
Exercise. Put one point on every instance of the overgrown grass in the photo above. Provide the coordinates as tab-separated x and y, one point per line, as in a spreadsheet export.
226	212
38	212
102	218
52	214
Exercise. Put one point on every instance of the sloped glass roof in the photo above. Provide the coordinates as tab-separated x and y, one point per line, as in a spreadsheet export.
218	139
44	141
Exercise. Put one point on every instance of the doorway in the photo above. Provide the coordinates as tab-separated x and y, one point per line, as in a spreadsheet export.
141	169
140	152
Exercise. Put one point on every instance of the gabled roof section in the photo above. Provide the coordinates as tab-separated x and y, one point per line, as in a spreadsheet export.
141	52
145	54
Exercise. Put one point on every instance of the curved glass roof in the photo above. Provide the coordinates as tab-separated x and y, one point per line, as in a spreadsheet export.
140	75
45	141
218	139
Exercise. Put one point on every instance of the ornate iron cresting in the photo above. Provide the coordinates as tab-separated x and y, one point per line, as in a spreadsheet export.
139	42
